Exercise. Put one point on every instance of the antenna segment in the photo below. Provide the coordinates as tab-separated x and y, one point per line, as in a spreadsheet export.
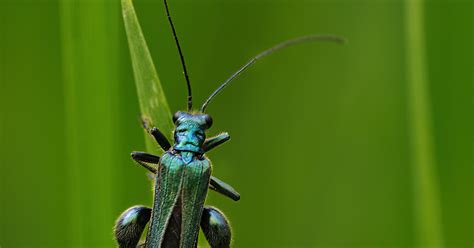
185	71
269	51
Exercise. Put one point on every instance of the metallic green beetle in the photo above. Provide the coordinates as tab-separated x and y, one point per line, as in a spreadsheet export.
182	179
182	176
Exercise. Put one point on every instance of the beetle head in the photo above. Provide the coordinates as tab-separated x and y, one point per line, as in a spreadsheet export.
189	134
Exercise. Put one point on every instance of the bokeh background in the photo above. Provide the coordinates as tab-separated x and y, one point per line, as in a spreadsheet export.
369	144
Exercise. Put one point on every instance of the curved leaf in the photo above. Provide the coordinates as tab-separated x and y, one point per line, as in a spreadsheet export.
153	105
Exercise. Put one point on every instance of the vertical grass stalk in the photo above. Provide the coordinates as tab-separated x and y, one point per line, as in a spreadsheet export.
426	199
73	173
90	44
153	104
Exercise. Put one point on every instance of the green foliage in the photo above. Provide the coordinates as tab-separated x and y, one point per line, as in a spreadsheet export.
326	140
425	179
153	104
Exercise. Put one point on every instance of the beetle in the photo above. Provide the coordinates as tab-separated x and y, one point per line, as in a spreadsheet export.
182	179
183	174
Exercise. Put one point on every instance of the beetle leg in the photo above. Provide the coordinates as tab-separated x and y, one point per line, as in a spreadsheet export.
223	188
158	135
130	225
212	142
215	227
144	159
160	138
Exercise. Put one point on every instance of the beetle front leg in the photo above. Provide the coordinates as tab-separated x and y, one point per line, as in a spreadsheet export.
212	142
130	225
144	158
160	138
215	227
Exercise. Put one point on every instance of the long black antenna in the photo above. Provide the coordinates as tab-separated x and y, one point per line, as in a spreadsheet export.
190	96
269	51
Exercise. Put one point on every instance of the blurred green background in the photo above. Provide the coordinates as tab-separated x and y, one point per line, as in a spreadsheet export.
365	145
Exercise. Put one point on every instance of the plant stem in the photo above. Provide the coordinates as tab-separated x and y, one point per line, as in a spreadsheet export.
426	199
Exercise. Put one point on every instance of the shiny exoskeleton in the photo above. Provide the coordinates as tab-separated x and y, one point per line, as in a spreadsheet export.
182	178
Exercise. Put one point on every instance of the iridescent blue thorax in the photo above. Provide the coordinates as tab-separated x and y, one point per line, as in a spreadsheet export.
189	134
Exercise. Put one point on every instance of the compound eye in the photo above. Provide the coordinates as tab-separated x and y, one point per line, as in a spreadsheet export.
176	116
208	120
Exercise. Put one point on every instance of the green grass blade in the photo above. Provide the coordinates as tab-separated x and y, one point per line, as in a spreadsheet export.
153	104
90	63
77	227
427	204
